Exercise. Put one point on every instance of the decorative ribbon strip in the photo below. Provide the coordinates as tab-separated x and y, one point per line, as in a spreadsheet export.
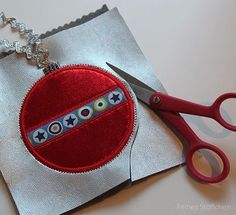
77	117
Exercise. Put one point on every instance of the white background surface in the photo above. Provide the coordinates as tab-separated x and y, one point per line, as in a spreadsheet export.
192	46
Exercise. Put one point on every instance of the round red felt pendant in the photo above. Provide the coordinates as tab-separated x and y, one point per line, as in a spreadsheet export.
77	118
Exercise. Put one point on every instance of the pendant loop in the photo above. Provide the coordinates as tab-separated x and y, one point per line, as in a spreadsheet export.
33	49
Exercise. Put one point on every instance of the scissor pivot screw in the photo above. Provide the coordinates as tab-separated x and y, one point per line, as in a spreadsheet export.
156	100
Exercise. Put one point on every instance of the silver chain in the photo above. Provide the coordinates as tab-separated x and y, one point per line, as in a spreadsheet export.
33	49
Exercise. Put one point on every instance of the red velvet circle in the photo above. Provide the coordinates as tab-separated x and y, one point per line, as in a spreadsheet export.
86	146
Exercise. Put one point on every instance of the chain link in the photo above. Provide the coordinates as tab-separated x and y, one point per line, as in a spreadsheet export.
33	49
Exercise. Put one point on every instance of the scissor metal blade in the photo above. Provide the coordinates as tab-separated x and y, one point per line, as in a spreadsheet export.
142	94
129	78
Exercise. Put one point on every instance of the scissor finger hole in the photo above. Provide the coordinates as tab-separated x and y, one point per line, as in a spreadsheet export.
227	111
207	163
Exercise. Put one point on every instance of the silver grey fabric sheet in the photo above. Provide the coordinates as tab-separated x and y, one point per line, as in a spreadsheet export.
37	189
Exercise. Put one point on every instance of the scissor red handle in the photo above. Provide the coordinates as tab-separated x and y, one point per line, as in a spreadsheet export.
194	144
215	109
165	102
214	179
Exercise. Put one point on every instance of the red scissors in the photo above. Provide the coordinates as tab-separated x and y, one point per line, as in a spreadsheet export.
169	107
